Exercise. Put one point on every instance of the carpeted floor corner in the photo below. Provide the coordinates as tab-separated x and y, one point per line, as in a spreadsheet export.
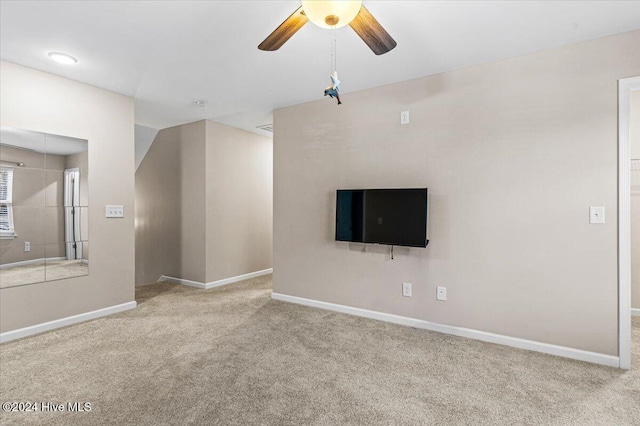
233	356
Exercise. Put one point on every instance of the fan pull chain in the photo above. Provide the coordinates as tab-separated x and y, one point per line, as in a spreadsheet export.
334	88
331	58
335	52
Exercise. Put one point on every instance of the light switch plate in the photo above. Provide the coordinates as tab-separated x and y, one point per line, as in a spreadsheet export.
441	293
596	215
114	211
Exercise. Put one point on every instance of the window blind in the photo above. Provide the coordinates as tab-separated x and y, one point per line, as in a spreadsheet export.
6	185
6	199
6	218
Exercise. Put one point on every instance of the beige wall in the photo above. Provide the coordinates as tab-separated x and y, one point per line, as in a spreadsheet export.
204	204
239	202
513	153
634	135
42	102
170	206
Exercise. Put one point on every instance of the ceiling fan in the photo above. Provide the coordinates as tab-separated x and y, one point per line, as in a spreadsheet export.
333	14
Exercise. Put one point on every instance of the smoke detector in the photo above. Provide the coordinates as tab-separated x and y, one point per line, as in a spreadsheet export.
200	103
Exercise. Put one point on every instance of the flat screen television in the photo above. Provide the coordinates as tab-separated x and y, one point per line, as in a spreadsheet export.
396	217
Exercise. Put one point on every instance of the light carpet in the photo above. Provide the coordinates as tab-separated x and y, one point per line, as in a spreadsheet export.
233	356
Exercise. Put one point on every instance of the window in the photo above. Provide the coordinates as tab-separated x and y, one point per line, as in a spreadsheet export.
6	200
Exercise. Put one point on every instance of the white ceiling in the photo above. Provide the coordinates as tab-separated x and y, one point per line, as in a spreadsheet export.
167	53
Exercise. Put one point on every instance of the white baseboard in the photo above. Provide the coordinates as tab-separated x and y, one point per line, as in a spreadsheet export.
32	262
218	283
7	336
173	280
593	357
635	312
235	279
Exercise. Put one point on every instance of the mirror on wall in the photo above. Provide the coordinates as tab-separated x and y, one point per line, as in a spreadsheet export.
44	220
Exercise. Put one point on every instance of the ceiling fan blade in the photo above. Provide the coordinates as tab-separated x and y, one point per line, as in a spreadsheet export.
285	31
372	33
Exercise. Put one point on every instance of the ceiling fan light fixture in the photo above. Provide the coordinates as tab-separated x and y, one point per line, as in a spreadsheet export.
331	14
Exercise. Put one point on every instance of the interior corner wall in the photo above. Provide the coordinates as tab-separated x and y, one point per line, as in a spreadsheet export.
239	197
42	102
634	136
170	206
513	153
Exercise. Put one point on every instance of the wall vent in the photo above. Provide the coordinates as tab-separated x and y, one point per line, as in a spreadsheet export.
266	127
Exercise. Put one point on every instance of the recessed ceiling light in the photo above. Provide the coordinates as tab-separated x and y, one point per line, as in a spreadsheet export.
62	58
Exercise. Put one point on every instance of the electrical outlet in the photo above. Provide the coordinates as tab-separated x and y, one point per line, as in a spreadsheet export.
441	293
406	289
404	117
27	246
114	211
